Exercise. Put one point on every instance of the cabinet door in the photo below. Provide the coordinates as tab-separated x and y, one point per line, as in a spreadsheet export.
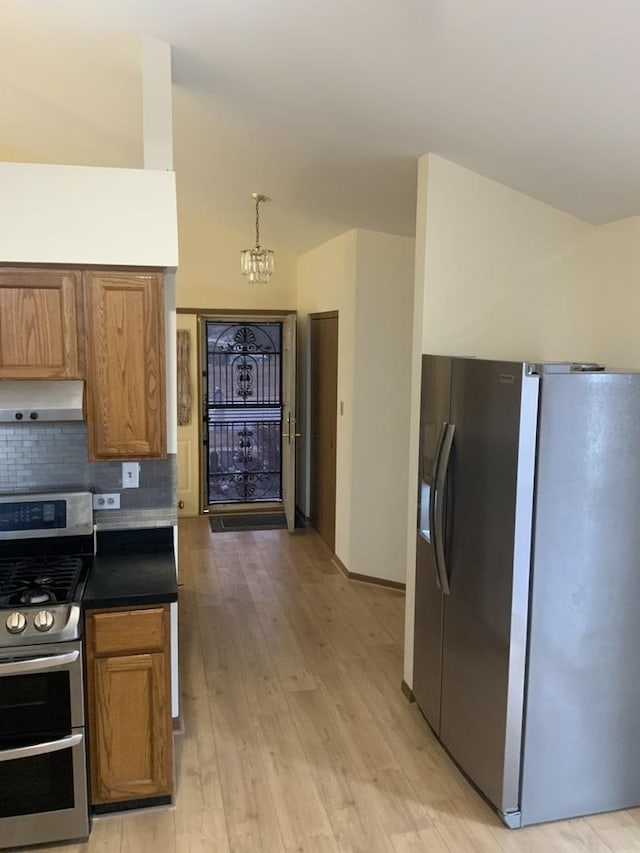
131	747
38	324
124	316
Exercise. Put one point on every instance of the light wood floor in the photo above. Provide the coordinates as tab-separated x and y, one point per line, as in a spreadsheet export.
297	737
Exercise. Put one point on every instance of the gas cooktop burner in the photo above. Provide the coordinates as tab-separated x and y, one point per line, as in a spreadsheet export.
37	591
38	580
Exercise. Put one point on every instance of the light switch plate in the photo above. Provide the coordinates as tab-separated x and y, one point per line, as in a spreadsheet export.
130	475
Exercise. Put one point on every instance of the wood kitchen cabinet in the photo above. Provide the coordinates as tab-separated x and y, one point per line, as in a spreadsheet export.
39	319
129	705
124	318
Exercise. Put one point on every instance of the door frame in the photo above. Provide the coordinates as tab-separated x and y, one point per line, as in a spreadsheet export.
235	315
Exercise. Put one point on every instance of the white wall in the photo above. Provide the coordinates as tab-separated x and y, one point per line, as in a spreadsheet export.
366	277
499	275
87	215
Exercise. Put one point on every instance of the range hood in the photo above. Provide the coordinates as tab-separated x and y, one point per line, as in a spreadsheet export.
29	400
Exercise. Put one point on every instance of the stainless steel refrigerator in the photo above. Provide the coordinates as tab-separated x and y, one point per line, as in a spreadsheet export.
527	609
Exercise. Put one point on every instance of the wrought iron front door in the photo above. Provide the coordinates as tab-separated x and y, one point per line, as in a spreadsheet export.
243	412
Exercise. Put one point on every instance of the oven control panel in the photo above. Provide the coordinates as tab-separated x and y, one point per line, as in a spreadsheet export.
16	622
33	515
56	622
44	515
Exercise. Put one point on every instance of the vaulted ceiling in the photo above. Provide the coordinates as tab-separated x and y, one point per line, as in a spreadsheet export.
325	106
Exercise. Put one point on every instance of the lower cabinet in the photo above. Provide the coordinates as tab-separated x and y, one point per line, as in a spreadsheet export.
129	704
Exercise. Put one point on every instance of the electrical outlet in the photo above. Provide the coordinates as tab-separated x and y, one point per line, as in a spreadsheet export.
104	501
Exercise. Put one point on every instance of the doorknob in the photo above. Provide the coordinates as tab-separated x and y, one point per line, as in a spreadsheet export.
288	434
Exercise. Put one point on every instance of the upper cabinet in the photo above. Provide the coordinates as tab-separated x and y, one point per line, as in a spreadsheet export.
39	324
124	346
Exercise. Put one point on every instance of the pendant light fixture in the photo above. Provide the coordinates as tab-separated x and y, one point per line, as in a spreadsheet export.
257	263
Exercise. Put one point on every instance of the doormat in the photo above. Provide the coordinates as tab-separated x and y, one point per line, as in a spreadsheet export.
257	521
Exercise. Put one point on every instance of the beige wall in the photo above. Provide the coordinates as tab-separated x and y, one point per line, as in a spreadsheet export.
87	215
414	414
209	275
367	277
381	401
327	282
616	307
209	279
499	275
506	276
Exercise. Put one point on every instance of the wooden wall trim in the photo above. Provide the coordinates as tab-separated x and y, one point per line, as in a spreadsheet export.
408	692
356	576
91	267
323	315
236	312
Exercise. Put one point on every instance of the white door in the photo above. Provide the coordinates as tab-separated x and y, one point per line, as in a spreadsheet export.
289	433
188	439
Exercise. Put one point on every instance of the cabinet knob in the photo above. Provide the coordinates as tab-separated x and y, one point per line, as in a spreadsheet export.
19	416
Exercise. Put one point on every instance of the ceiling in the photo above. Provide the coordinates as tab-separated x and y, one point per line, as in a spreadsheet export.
325	106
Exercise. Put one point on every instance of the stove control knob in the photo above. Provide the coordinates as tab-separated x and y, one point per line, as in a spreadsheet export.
44	620
16	623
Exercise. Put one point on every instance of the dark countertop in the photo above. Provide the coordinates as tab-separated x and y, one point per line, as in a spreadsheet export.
132	568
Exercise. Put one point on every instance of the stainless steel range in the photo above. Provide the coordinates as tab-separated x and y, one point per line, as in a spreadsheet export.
46	549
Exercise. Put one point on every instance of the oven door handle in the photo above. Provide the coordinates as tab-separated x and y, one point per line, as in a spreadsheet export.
40	748
19	667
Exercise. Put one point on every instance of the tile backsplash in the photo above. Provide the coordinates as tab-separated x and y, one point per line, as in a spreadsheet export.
54	457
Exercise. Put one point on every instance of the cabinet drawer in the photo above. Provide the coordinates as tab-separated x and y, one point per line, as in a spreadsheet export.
129	631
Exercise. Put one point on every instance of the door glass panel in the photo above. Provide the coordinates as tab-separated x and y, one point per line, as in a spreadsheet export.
41	783
243	412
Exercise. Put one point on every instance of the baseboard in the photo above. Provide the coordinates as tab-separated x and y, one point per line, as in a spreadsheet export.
408	692
131	805
356	576
302	520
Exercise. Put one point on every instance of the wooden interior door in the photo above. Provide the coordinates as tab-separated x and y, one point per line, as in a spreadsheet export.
323	330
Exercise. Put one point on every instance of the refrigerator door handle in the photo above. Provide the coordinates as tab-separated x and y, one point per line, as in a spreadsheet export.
439	508
432	501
